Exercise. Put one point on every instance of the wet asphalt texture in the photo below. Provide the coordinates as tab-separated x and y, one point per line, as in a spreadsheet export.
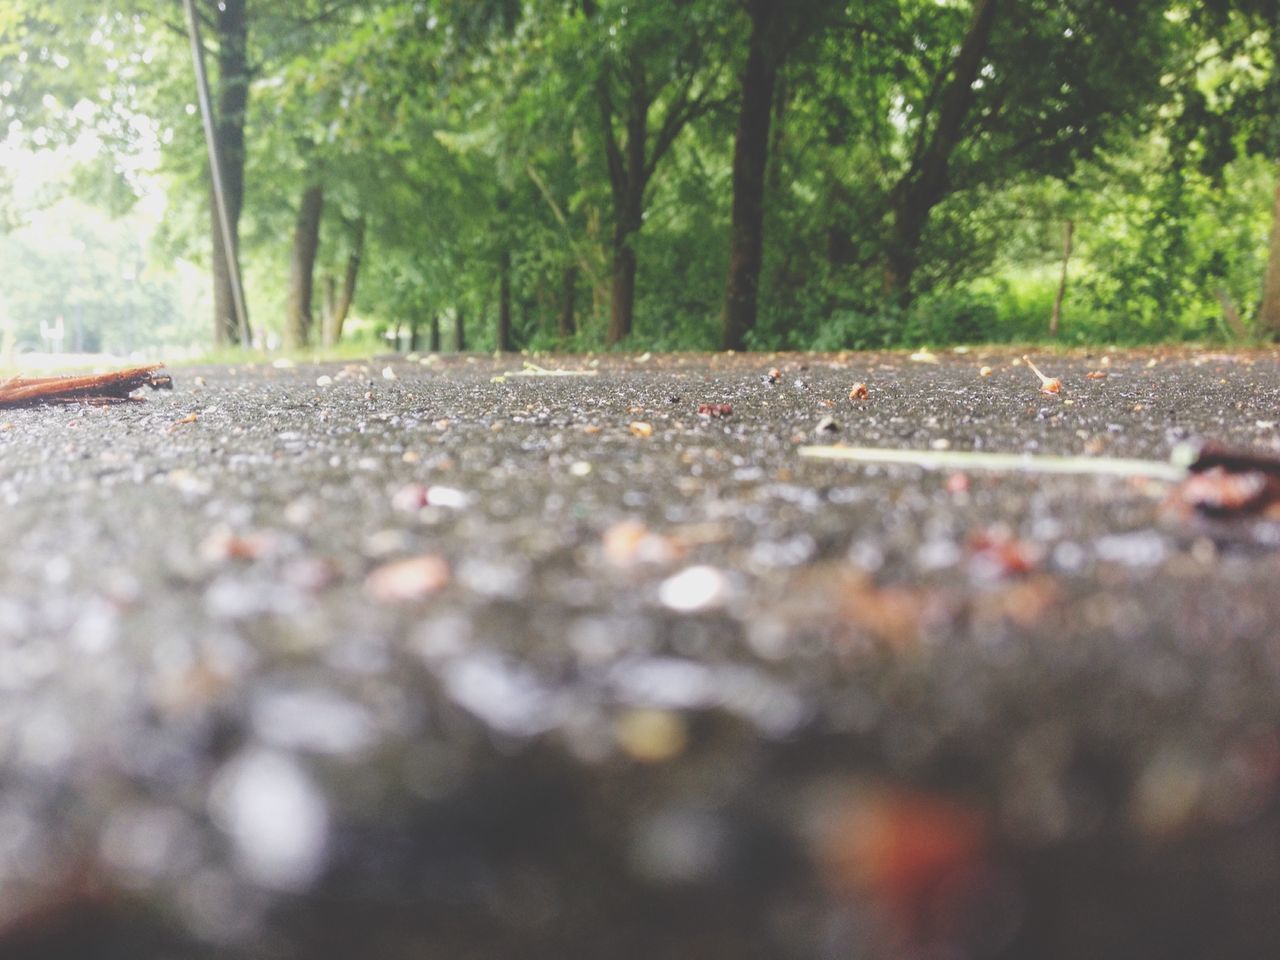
412	658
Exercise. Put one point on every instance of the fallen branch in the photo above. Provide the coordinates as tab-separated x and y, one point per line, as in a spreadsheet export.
1005	462
98	388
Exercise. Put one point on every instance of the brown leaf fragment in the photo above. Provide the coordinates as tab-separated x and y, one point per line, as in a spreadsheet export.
1223	482
1096	375
995	553
715	410
1212	455
858	391
1221	491
910	851
100	388
189	418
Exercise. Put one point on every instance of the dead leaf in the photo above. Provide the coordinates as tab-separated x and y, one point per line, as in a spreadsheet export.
1223	482
858	391
995	553
640	428
904	848
1220	491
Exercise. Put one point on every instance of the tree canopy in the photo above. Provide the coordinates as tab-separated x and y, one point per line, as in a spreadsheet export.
676	174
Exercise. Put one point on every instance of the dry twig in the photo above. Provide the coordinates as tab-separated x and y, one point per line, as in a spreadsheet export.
98	388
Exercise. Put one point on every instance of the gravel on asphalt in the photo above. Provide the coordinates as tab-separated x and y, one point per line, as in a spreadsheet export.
447	656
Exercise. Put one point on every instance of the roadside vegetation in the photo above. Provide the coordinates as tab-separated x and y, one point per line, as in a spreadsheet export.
682	174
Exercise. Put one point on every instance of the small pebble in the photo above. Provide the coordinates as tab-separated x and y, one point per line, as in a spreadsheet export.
651	736
694	590
405	580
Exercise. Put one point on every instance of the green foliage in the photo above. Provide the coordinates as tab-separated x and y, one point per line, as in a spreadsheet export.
470	134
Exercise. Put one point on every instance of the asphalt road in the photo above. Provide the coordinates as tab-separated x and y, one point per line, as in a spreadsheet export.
430	658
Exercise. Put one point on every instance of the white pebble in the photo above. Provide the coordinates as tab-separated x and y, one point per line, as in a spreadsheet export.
695	589
276	818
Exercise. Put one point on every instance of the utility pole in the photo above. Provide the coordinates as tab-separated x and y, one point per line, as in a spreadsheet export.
215	173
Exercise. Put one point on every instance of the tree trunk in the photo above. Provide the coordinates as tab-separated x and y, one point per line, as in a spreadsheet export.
434	343
1269	315
459	329
622	276
750	159
1230	315
1056	316
622	294
306	242
414	324
568	324
232	29
925	183
330	305
505	342
343	306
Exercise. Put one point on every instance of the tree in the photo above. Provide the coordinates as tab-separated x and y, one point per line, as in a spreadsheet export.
750	156
776	26
656	77
979	99
306	241
230	22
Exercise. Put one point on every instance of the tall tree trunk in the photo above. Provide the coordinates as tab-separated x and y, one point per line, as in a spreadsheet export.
750	159
434	343
505	342
925	183
232	29
460	329
306	242
622	277
1269	315
1055	317
567	322
622	287
630	175
415	323
343	306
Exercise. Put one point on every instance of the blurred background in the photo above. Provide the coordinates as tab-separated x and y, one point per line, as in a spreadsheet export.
671	175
